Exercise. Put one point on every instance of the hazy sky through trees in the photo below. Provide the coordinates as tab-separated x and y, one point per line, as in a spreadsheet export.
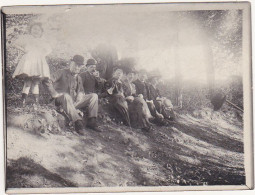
157	39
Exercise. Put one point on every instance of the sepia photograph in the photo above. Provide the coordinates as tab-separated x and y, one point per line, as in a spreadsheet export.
127	97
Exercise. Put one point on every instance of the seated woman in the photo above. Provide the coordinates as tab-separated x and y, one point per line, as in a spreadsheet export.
138	109
114	88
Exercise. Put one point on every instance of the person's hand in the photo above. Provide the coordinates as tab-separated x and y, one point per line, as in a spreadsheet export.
159	115
110	91
130	98
56	95
159	99
140	96
102	80
80	112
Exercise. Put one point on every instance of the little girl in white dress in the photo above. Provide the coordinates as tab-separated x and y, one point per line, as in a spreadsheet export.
32	66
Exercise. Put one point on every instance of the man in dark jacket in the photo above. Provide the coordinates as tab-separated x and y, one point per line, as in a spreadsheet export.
141	85
67	88
163	105
142	90
91	81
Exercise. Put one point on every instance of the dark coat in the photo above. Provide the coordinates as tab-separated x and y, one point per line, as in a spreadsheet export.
89	82
153	92
129	89
117	99
141	88
102	68
65	82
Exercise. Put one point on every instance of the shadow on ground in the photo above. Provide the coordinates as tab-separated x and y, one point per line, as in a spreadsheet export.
25	173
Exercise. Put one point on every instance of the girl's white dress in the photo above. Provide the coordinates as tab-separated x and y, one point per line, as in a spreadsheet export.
33	62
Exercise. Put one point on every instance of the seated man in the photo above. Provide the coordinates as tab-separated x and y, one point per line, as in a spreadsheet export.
140	84
67	89
163	105
143	91
139	112
114	88
91	81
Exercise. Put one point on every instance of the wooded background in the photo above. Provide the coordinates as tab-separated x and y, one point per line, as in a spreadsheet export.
188	77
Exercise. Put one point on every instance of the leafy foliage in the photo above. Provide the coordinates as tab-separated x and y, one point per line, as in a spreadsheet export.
225	36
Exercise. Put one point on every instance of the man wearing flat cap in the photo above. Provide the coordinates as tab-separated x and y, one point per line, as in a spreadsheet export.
91	81
67	89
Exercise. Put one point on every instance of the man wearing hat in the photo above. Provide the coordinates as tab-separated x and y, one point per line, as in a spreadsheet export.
141	85
163	105
91	81
67	89
142	90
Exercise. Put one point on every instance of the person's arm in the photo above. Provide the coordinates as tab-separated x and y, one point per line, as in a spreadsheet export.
100	82
158	93
20	48
110	85
138	90
147	92
125	90
48	83
56	75
133	90
20	44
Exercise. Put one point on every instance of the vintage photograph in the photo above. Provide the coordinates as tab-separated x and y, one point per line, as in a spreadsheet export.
126	95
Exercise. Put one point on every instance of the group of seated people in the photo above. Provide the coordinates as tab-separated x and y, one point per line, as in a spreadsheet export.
131	94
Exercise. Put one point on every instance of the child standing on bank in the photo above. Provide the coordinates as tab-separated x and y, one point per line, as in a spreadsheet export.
32	67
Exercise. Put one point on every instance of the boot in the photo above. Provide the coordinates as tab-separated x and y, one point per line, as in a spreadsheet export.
92	124
146	129
79	127
23	99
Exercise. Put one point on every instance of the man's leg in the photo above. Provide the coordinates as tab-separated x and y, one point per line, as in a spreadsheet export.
120	104
47	83
90	101
158	106
66	102
152	109
159	118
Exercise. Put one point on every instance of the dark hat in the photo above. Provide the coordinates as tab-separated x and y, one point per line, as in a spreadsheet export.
78	59
91	62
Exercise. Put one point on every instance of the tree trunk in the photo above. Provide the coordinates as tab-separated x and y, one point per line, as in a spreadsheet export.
210	70
178	75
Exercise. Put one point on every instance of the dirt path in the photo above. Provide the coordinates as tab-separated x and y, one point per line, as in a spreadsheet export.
191	152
